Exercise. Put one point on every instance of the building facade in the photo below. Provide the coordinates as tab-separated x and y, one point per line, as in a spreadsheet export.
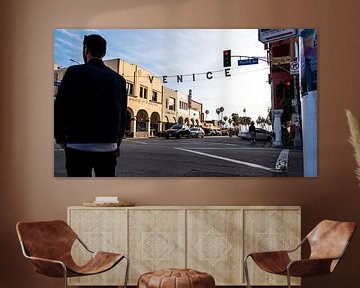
152	107
285	96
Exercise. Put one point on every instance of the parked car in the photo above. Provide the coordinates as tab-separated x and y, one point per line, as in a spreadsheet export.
177	131
197	132
261	135
209	131
243	134
212	132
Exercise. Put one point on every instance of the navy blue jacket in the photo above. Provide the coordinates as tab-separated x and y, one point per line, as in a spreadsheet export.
91	105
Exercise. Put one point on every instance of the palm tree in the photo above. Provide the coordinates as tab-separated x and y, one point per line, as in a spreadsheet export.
206	112
221	110
235	118
258	120
218	112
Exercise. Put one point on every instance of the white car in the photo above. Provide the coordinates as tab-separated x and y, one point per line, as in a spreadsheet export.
197	132
261	135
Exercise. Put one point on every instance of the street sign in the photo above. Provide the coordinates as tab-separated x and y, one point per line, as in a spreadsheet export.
294	67
273	35
248	61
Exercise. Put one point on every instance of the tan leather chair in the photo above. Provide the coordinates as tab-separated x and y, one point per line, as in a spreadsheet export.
328	242
48	245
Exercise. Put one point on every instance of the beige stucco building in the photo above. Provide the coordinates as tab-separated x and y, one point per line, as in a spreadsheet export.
169	108
152	107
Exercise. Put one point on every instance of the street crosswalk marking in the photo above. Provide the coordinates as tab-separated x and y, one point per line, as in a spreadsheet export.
229	148
249	164
282	161
140	142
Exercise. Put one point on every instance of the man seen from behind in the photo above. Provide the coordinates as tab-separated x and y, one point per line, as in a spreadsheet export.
90	113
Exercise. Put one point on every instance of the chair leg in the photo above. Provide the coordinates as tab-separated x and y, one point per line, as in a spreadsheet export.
65	275
127	271
288	278
246	272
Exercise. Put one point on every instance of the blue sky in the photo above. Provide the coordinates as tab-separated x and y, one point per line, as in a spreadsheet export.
168	52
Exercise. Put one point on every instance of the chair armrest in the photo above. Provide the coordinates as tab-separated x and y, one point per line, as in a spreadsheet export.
282	251
309	267
298	246
49	267
84	245
45	260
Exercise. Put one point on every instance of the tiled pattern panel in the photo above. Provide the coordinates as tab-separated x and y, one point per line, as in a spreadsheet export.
214	244
209	239
100	230
156	241
269	230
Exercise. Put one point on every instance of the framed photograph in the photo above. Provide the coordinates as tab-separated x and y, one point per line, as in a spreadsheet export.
199	102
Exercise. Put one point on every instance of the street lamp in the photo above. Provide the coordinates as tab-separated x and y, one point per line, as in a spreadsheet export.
72	60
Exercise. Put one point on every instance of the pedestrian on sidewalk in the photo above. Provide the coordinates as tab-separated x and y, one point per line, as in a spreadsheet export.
90	113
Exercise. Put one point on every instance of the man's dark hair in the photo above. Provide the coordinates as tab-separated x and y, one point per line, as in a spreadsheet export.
96	44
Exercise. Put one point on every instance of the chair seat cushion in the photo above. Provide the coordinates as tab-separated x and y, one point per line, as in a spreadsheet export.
176	278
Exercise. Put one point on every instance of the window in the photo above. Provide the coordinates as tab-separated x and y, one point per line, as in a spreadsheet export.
183	105
171	103
281	50
129	88
154	96
143	92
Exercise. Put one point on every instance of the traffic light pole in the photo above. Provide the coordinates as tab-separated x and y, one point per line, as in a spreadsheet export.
261	59
295	117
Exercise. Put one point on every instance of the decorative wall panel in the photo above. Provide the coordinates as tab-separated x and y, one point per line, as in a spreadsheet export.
269	230
156	240
101	230
208	239
214	241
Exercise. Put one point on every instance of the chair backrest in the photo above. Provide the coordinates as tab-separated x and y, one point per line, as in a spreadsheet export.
46	239
329	239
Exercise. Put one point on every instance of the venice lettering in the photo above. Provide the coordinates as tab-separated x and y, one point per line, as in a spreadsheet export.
191	77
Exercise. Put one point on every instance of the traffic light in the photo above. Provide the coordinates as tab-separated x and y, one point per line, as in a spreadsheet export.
289	89
279	90
227	58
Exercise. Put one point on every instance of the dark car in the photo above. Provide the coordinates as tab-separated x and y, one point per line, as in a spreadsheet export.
177	131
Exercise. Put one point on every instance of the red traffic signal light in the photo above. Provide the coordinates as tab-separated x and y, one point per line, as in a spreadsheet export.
227	58
289	90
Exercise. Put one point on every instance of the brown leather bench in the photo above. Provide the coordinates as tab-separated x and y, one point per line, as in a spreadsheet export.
176	278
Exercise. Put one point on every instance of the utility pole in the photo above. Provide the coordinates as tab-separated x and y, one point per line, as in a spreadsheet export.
295	119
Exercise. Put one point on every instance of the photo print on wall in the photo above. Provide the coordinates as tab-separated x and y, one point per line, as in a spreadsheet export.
185	102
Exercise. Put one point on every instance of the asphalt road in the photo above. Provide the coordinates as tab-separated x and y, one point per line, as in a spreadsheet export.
212	156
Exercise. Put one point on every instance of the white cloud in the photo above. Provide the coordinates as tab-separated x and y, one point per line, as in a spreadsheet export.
67	43
70	34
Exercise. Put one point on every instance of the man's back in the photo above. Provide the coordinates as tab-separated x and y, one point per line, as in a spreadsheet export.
90	103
